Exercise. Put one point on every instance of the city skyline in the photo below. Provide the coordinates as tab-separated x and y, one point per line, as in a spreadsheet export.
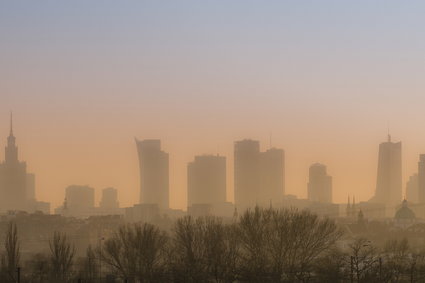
152	144
324	78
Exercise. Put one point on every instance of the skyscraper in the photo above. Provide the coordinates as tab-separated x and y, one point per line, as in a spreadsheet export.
109	199
272	185
206	180
154	173
388	184
412	189
319	184
13	177
246	173
421	179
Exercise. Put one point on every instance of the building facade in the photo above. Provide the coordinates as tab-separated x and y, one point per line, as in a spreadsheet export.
319	184
389	182
154	173
206	180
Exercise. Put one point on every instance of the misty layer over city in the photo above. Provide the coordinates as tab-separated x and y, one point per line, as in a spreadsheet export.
212	141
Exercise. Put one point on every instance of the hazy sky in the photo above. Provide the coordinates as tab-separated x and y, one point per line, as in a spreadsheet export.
325	77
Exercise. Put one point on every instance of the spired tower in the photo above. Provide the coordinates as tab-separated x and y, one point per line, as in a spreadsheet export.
13	177
389	183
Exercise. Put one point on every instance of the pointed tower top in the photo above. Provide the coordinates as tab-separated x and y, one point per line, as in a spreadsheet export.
11	123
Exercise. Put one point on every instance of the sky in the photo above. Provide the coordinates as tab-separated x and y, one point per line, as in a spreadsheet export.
325	79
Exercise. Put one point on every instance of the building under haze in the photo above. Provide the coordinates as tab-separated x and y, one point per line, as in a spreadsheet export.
389	183
421	179
258	176
79	201
154	173
412	189
109	199
246	173
272	169
206	180
319	184
17	187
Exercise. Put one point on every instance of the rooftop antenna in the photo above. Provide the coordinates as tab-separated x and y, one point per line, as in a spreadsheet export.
388	128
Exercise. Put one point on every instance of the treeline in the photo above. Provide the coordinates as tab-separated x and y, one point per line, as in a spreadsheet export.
262	245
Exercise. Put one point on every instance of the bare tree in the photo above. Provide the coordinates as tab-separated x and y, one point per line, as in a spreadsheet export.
39	268
204	249
253	231
364	261
88	266
10	260
62	256
136	252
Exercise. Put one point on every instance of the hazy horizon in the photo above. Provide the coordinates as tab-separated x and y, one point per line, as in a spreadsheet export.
325	79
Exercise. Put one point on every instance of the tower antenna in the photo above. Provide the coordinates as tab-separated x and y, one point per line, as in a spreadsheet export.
388	131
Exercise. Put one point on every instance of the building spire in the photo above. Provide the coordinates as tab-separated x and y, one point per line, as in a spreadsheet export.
11	124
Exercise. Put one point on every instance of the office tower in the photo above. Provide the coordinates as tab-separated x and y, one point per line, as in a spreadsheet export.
30	186
412	189
272	186
320	184
388	184
206	180
109	199
13	177
79	199
421	179
154	173
246	173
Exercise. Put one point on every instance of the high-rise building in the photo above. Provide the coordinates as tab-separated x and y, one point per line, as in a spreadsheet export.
421	179
30	186
259	176
319	184
246	173
388	184
206	180
109	199
13	177
412	189
79	197
272	185
154	173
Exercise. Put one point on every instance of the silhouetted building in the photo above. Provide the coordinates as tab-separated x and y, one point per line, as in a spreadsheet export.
13	176
272	185
154	173
351	210
258	176
246	173
17	188
421	179
144	212
412	189
320	184
79	201
206	180
404	217
30	187
388	185
109	199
